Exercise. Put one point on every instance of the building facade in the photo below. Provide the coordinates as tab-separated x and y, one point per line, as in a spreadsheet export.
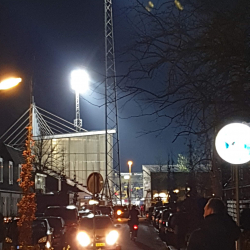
10	169
135	181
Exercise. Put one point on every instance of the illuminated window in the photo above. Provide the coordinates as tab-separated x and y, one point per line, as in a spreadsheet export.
10	172
1	169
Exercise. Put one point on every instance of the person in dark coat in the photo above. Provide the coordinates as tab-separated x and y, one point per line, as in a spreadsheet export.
218	230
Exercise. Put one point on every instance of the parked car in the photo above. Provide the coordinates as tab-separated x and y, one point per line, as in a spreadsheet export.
158	217
42	235
59	234
149	213
155	213
163	222
121	212
70	216
68	213
176	230
106	234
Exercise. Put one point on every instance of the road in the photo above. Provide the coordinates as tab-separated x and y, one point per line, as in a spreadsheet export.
147	237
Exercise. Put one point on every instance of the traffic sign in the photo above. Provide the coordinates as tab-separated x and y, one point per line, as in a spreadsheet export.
95	183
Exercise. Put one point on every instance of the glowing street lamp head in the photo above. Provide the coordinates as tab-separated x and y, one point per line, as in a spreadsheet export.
233	143
130	163
9	83
79	80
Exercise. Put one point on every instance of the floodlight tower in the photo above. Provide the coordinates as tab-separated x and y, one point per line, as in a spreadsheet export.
79	83
111	118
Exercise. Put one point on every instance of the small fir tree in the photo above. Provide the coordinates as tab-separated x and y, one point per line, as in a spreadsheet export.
27	205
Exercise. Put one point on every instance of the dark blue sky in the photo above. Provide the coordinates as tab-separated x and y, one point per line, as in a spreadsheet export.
47	39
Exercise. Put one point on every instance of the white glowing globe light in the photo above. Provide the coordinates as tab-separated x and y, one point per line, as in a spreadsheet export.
79	80
233	143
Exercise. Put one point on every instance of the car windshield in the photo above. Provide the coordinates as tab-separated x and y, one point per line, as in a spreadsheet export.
55	222
105	210
100	223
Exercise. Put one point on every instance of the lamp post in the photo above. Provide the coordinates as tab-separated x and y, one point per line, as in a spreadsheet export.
9	83
233	146
79	83
130	163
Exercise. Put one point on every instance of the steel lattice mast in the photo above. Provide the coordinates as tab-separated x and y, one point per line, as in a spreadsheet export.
111	116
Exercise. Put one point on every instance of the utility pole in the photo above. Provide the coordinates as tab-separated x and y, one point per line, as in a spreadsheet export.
111	109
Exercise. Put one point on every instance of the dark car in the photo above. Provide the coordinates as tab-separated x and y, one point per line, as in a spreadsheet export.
106	235
59	234
163	222
70	216
42	235
159	216
176	229
155	214
149	213
68	213
121	212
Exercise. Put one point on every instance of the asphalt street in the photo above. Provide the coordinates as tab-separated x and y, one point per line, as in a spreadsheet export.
147	237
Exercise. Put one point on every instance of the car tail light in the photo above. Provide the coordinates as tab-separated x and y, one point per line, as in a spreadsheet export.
119	212
135	227
163	222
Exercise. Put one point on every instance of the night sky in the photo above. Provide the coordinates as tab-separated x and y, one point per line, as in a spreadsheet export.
44	40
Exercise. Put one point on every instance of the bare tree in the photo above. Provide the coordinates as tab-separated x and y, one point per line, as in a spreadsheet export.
190	67
48	155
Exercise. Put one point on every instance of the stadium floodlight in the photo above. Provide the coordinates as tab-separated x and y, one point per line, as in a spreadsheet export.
79	83
80	80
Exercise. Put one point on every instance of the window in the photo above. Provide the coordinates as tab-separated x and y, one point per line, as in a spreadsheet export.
1	169
10	172
19	170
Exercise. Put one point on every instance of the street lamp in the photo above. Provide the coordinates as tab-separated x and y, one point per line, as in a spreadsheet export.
130	163
79	83
233	146
9	83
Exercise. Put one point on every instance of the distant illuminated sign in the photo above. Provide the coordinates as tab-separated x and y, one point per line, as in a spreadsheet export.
233	143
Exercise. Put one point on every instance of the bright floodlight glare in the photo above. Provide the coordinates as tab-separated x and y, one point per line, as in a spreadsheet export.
233	143
9	83
79	80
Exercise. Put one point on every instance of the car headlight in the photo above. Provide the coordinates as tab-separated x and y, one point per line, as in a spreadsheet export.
83	239
119	212
112	237
42	240
8	240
